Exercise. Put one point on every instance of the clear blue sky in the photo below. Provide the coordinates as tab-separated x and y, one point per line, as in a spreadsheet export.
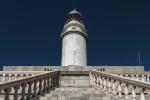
117	30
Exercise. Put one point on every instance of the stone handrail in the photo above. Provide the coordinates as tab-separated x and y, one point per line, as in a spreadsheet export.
138	76
29	87
21	72
120	87
13	75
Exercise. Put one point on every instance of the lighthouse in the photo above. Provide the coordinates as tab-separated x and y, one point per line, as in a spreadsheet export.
74	41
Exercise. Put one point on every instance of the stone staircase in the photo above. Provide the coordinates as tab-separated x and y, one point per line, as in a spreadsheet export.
75	93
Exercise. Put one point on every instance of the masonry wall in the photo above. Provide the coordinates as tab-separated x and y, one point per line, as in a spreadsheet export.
109	69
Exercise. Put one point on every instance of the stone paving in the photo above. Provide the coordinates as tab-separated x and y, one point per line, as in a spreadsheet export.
75	93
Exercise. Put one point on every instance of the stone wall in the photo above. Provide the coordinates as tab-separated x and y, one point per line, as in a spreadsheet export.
30	68
119	69
109	69
75	78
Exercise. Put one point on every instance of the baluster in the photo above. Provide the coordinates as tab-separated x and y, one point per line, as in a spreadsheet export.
142	96
29	90
143	77
16	92
54	80
119	90
53	84
126	91
127	75
132	76
104	84
21	75
121	75
7	92
58	80
99	78
101	82
9	77
48	83
114	88
147	78
13	77
137	77
109	86
40	86
26	75
97	81
23	91
4	77
1	77
133	93
35	89
98	86
16	76
91	79
44	87
50	80
94	79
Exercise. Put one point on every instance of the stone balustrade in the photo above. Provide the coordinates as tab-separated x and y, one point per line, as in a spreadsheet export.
137	76
13	75
119	87
29	88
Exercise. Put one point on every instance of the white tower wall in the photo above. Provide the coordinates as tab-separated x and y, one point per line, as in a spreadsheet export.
74	41
74	50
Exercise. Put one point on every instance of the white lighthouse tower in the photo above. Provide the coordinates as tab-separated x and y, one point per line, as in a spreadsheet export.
74	41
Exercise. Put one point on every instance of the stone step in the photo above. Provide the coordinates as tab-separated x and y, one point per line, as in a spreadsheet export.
75	98
75	93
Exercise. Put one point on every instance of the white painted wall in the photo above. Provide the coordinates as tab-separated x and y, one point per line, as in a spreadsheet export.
74	50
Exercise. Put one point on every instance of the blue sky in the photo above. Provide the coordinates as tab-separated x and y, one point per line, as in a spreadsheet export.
117	30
